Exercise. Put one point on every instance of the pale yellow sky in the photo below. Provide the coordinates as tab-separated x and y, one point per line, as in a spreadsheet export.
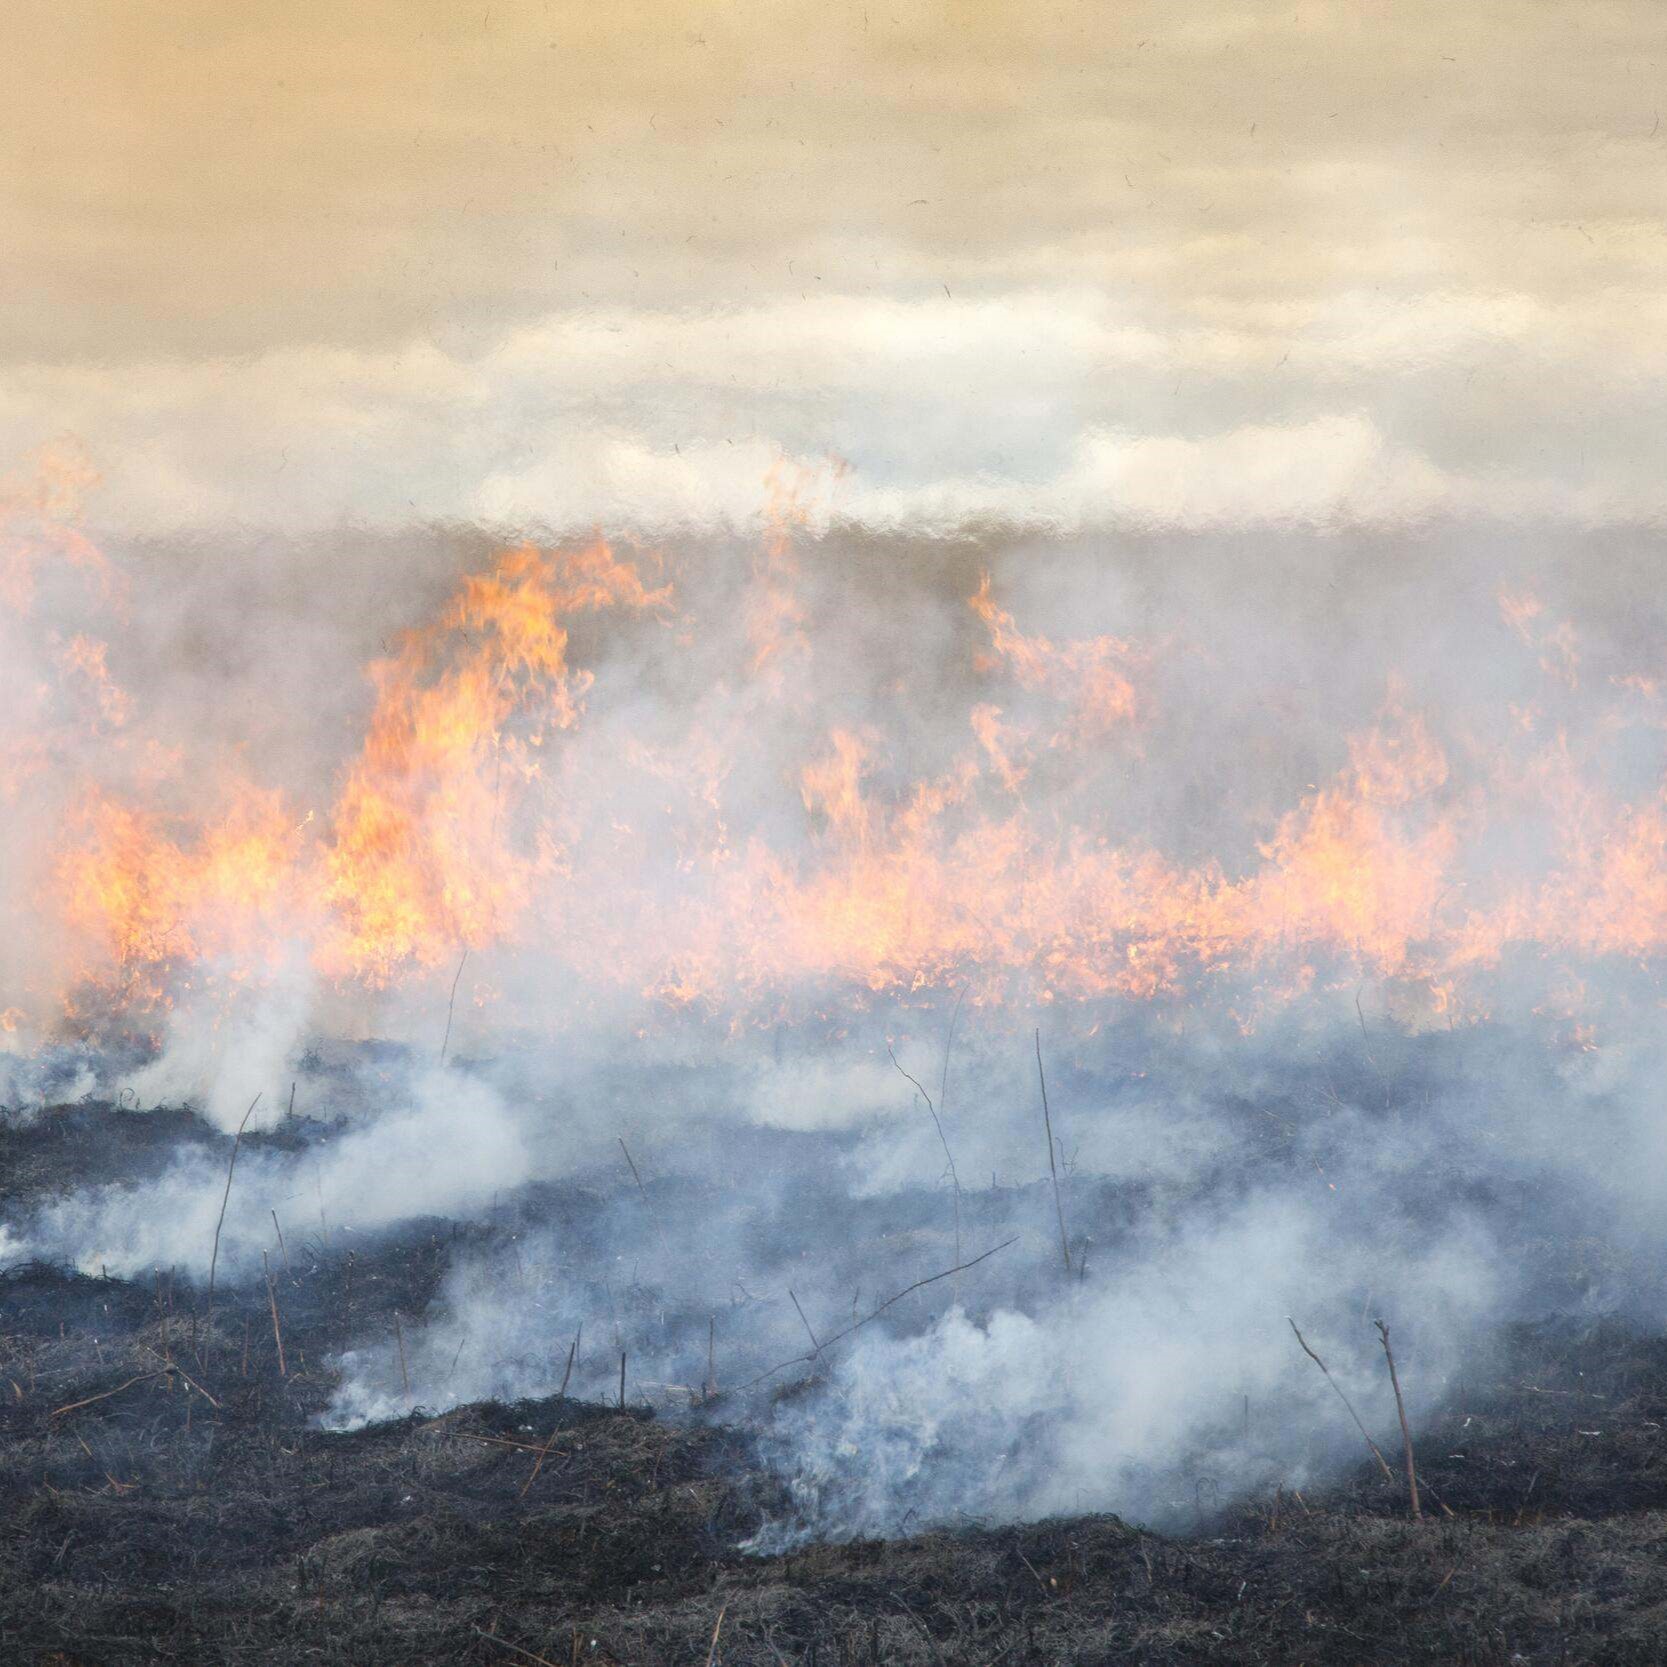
1443	221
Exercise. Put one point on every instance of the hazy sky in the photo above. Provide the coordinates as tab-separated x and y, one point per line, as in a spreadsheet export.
1179	263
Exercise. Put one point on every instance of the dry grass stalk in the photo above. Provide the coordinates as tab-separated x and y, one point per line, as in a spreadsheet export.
283	1248
1406	1429
143	1377
890	1302
214	1257
504	1643
1053	1167
404	1376
622	1380
496	1440
457	977
816	1348
561	1394
1383	1463
277	1330
653	1214
712	1654
167	1370
174	1366
937	1123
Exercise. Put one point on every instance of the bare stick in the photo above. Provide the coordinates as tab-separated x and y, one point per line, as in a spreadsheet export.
399	1336
501	1441
457	978
538	1463
166	1370
948	1043
653	1214
1366	1048
1383	1463
544	1451
816	1348
214	1258
277	1330
281	1245
1053	1168
1400	1407
890	1302
292	1096
174	1366
622	1380
711	1355
143	1377
531	1655
954	1178
712	1654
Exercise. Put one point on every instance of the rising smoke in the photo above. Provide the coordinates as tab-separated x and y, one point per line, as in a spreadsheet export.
1328	862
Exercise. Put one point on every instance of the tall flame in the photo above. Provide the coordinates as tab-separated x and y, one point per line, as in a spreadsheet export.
466	822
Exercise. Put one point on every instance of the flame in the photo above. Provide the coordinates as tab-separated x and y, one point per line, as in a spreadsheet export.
471	819
420	863
1089	677
152	899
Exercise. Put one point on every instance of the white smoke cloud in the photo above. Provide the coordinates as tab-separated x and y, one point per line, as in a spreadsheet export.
437	1144
1038	408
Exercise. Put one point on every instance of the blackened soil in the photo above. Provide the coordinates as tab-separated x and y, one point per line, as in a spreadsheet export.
166	1496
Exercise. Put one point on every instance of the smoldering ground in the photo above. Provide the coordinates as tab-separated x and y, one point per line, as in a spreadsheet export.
714	1225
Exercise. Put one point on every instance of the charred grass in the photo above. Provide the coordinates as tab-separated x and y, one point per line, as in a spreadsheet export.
166	1494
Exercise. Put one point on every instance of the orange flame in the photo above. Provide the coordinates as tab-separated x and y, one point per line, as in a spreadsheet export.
461	825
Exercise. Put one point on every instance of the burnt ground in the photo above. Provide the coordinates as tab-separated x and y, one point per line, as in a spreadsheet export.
166	1494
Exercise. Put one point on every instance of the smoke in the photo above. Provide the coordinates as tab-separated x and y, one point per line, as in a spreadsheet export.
1328	862
716	1224
436	1145
1161	1373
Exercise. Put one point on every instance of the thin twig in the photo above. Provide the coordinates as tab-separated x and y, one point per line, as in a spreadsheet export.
622	1380
937	1123
214	1258
931	1642
399	1337
277	1330
816	1348
503	1441
281	1245
1406	1429
445	1041
653	1214
948	1043
531	1655
75	1406
544	1451
1383	1463
174	1366
712	1654
890	1302
572	1355
1053	1168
